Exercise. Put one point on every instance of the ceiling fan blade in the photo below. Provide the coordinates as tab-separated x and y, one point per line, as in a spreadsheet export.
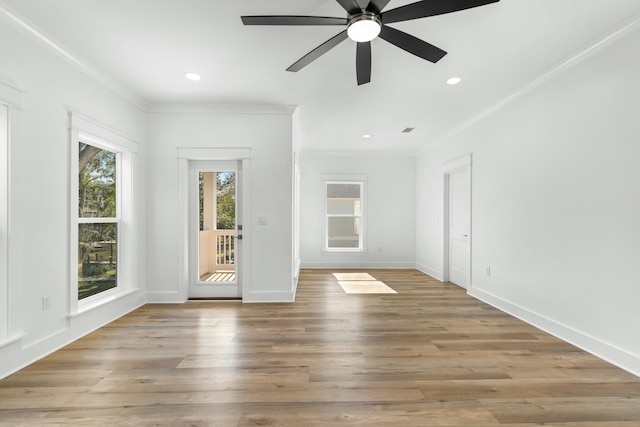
412	44
293	20
376	6
351	6
318	52
363	62
425	8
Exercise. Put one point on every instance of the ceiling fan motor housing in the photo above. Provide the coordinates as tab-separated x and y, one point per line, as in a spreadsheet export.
364	27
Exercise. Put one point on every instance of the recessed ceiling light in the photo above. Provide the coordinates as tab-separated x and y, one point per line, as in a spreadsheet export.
366	136
192	76
454	80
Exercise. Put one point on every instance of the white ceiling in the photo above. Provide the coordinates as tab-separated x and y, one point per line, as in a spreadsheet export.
148	45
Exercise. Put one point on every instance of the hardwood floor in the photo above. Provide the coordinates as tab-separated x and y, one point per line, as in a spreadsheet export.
427	356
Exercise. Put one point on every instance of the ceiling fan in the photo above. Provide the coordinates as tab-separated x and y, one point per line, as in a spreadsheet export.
365	22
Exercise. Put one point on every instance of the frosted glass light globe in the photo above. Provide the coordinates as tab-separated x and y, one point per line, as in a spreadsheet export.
364	28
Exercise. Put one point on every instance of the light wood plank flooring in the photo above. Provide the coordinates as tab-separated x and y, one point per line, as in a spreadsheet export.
427	356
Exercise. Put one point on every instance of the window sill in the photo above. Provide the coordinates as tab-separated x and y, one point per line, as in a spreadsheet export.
343	251
10	341
99	302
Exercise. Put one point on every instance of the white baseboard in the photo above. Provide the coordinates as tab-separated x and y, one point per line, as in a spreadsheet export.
430	271
16	357
354	265
275	296
606	351
296	277
164	298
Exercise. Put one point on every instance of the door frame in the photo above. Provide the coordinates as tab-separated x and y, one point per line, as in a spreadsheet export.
185	155
197	288
457	164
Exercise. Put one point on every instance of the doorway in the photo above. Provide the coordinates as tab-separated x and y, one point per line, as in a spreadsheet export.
457	224
214	233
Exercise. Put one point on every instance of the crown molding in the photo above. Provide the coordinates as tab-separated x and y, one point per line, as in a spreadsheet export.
357	153
45	40
618	33
286	110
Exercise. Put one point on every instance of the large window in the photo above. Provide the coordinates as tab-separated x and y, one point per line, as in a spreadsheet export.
102	226
344	216
98	218
4	211
11	108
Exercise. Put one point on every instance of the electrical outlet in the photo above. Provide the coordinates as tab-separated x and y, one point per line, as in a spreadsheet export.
46	303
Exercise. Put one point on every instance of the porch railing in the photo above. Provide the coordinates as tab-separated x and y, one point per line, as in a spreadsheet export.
217	251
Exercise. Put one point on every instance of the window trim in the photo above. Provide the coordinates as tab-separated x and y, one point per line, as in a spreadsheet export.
87	131
4	223
11	99
344	179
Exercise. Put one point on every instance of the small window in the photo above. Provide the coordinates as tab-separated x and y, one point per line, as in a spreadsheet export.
344	216
98	220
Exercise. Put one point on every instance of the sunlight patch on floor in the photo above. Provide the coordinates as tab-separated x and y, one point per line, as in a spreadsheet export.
353	276
362	283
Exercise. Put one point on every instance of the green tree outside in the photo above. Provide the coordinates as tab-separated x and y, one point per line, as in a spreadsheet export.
225	200
97	242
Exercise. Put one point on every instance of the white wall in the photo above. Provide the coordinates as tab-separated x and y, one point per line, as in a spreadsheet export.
556	206
269	137
389	203
40	194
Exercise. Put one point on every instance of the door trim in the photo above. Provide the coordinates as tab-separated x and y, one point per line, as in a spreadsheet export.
197	288
454	165
185	155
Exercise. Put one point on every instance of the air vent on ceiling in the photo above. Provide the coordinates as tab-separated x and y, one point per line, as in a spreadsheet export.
408	130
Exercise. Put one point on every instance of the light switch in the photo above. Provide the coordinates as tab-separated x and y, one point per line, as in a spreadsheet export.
262	220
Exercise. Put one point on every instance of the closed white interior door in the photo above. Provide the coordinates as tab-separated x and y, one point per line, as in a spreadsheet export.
460	227
215	237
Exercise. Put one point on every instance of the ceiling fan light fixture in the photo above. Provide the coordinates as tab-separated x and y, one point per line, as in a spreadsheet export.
364	28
